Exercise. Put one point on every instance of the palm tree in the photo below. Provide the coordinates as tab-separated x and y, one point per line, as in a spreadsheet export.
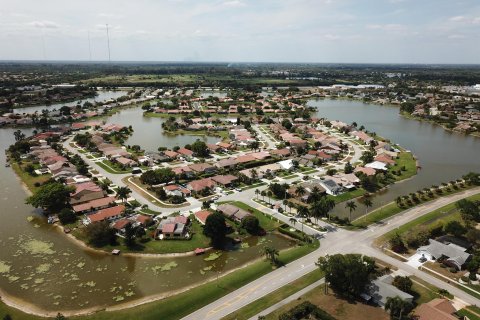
271	254
293	221
300	191
123	193
303	212
398	200
367	203
351	206
269	194
397	307
285	202
254	174
263	194
257	192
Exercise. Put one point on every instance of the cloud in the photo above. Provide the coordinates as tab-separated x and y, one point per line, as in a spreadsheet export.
44	24
457	18
234	3
457	36
387	27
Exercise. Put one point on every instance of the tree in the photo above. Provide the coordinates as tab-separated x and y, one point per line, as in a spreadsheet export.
403	283
123	193
398	308
7	317
455	228
396	243
19	135
271	254
348	275
216	229
129	235
367	157
257	192
472	178
159	176
60	317
351	206
468	210
251	224
200	148
254	145
67	216
300	191
367	203
52	197
100	233
348	168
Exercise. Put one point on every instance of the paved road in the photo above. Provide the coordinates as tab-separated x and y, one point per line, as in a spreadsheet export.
337	241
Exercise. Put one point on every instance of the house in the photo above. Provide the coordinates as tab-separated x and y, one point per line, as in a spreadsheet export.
381	289
120	225
85	192
126	162
202	216
226	163
232	212
436	309
377	165
93	205
385	159
454	255
170	154
172	227
185	152
202	168
176	190
281	152
202	184
331	187
225	180
365	171
179	171
108	214
344	180
360	135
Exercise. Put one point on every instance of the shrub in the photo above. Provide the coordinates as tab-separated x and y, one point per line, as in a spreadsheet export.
453	270
464	279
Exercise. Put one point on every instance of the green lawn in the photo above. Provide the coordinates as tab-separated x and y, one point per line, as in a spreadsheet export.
392	209
266	221
348	195
467	313
276	296
28	179
445	214
108	165
405	159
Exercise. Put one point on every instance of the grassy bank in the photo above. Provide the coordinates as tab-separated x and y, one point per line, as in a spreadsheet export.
393	208
28	179
444	214
178	306
408	162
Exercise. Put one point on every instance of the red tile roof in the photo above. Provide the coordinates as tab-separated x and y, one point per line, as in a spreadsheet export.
97	203
202	215
106	213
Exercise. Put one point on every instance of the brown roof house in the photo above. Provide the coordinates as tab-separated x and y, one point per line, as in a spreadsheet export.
232	212
85	192
437	309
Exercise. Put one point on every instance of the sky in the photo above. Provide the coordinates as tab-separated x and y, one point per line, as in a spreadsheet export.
315	31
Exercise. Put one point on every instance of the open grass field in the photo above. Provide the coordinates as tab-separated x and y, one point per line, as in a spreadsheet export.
405	159
338	308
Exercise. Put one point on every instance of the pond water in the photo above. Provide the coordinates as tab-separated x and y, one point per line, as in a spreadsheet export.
39	266
102	95
213	93
443	155
148	132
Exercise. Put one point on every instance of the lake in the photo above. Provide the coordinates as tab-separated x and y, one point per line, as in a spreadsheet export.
443	155
102	95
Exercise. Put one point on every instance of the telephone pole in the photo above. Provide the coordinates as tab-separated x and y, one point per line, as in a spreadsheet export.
108	44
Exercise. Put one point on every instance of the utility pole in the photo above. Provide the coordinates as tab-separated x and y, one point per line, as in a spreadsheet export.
108	44
89	47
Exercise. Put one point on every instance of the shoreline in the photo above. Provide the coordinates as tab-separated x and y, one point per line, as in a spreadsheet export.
32	309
